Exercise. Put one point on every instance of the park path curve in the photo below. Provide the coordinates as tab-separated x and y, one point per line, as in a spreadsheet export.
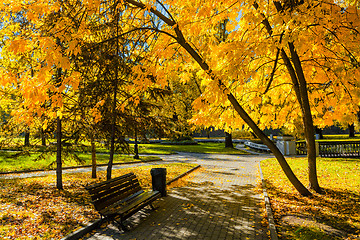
218	203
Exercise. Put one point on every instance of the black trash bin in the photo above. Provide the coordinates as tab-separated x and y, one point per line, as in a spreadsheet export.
158	176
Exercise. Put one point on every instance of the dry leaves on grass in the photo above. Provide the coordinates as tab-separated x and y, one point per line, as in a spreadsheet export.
33	208
338	207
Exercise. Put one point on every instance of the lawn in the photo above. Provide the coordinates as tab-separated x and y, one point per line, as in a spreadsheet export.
15	161
29	160
33	208
212	148
337	138
334	214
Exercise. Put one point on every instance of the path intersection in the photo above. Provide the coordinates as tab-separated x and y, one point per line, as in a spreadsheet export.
219	202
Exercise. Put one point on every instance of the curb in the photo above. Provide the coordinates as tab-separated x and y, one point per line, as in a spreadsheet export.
76	167
182	175
82	231
272	227
91	226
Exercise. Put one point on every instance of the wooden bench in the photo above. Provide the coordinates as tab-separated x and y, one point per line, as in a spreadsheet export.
120	197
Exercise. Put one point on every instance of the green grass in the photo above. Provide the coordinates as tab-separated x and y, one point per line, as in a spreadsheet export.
336	138
32	161
338	206
213	148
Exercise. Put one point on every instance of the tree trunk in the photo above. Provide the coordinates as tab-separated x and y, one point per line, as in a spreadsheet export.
202	63
284	165
43	139
113	125
270	144
228	140
319	132
351	130
112	140
136	149
59	183
27	138
93	157
300	87
208	133
307	120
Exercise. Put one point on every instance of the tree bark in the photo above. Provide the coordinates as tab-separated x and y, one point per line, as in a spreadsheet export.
93	157
59	183
228	140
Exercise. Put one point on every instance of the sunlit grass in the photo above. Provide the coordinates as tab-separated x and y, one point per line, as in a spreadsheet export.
30	161
212	148
338	206
33	208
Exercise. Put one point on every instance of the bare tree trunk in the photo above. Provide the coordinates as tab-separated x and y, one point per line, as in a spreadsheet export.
228	140
112	140
43	139
27	137
136	147
93	157
319	131
351	130
59	183
112	144
208	133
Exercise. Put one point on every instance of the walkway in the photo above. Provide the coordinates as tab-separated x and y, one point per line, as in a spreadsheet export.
218	203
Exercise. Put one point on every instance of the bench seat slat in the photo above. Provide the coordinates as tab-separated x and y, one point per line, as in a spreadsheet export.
121	196
140	199
89	188
116	196
99	187
121	187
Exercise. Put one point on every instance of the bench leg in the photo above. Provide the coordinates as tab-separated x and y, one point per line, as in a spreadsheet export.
121	226
152	206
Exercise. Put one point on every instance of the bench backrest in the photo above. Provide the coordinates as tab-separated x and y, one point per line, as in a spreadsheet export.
114	190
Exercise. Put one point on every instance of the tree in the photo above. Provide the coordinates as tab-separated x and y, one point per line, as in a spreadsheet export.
222	90
304	51
228	140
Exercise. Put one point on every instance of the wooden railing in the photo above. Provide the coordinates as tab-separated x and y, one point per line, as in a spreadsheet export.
345	149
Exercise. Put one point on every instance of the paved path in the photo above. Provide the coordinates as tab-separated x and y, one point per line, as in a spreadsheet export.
218	203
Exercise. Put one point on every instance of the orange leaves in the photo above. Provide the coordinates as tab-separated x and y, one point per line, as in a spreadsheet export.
18	46
34	208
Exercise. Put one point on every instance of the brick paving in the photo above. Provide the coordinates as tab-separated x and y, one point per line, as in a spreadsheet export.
218	203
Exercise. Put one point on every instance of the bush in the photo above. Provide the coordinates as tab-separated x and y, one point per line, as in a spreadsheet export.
241	134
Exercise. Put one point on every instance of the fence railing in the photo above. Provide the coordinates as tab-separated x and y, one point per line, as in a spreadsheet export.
301	148
346	149
261	147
